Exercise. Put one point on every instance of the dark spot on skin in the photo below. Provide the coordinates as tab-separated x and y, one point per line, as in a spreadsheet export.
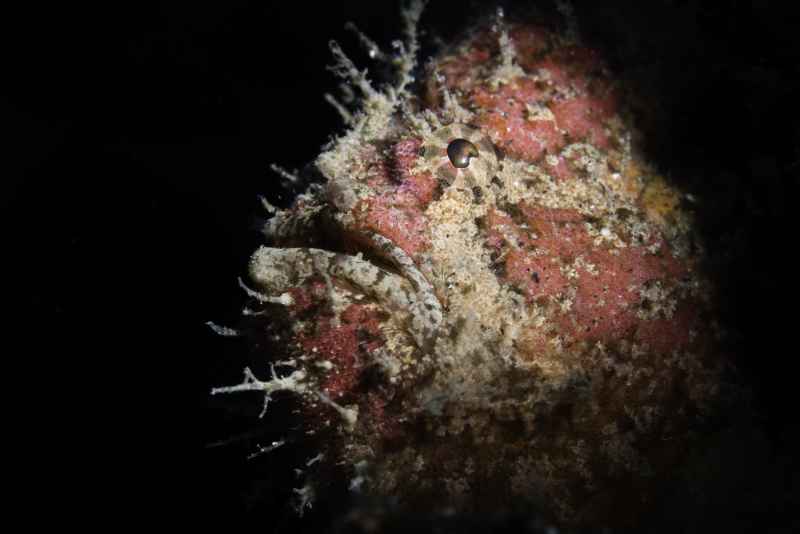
476	357
460	151
516	289
444	177
499	269
477	193
372	377
438	191
513	211
365	336
458	327
535	277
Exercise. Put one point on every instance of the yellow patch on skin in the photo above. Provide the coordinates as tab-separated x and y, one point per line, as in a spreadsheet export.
659	200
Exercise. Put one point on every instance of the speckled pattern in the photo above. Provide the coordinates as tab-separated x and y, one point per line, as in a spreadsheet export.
531	330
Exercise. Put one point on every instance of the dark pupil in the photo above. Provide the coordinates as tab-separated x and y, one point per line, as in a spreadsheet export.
459	151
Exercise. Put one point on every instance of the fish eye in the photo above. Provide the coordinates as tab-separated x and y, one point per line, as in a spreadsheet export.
460	151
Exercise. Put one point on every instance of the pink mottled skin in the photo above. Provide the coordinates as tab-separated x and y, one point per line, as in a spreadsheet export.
404	225
604	308
346	345
504	114
386	424
308	296
564	168
396	210
567	81
504	117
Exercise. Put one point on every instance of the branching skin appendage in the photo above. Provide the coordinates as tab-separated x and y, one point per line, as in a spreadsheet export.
294	383
491	302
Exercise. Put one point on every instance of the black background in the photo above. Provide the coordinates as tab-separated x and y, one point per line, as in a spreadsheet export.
140	139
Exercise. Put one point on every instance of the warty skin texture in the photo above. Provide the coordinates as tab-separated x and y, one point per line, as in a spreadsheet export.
530	330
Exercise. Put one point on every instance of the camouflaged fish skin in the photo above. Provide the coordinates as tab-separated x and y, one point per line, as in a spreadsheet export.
529	329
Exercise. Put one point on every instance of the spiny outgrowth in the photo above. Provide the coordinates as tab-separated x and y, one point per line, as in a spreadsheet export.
376	106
